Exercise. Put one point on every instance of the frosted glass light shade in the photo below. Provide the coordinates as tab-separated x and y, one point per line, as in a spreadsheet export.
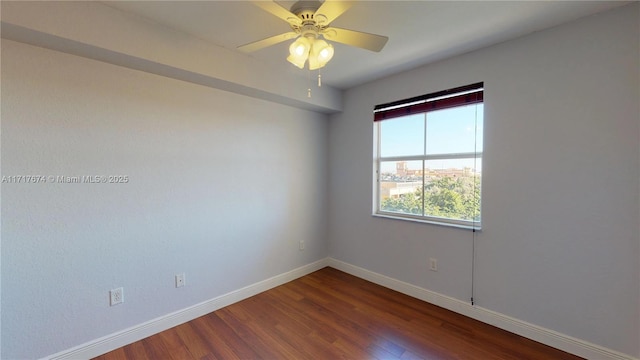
299	52
321	53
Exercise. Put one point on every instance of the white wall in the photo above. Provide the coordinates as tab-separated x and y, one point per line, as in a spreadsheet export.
222	187
560	241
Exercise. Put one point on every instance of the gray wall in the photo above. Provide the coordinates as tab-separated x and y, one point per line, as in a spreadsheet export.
560	241
221	187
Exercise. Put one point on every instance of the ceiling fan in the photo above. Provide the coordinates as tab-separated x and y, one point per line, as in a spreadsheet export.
309	21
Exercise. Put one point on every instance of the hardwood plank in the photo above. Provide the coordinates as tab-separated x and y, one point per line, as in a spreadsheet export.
136	351
287	328
154	347
262	326
229	338
117	354
219	348
209	357
332	315
197	346
251	334
173	345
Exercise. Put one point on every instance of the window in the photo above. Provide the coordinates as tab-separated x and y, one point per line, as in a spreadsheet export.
428	157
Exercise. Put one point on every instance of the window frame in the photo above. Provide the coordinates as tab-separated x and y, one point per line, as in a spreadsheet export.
447	99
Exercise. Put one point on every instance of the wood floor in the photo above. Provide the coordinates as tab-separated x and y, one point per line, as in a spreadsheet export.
332	315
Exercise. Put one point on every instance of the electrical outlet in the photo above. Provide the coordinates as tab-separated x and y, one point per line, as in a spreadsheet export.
433	264
301	245
116	296
180	280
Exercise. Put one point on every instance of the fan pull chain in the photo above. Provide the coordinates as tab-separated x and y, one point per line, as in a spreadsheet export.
309	81
319	82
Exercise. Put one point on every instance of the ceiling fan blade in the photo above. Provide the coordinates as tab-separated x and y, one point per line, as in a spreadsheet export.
330	10
261	44
356	38
277	10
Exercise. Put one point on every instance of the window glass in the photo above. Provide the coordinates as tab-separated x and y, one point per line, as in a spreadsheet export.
454	130
400	184
403	136
452	188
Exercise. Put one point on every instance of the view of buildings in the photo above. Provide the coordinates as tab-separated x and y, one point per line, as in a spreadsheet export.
407	181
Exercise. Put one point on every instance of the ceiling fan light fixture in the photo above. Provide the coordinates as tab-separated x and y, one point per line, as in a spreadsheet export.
321	53
299	52
308	20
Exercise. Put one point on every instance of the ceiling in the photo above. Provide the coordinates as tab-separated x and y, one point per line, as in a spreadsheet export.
419	32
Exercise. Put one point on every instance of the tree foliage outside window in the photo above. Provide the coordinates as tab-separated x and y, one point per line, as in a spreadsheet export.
446	197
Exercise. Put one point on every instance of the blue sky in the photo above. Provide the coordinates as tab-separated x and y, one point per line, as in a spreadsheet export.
448	131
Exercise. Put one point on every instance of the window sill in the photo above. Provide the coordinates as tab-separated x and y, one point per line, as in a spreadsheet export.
431	222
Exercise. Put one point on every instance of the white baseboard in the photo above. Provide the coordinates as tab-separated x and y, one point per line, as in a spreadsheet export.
546	336
110	342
